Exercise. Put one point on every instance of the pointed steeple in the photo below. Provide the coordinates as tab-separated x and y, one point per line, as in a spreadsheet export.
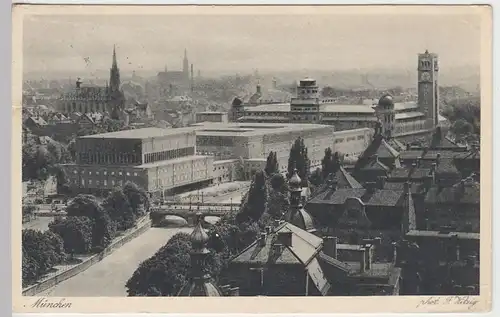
114	74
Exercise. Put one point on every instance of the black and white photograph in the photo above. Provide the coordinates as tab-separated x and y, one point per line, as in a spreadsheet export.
245	154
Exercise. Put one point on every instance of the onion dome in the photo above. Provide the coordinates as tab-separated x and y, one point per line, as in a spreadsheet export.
303	220
199	237
386	101
295	180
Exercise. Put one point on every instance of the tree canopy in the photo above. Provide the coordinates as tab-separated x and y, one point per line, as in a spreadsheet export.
76	233
272	166
299	160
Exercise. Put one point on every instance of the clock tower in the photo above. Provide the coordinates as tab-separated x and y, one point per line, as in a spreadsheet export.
428	88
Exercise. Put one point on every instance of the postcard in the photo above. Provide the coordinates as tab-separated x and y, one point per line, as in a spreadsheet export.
302	159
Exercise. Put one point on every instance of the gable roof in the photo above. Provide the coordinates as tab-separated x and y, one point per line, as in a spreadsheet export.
413	173
466	192
375	197
302	250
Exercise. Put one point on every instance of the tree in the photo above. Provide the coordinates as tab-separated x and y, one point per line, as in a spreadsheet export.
137	197
118	207
76	233
278	183
256	203
330	163
41	251
299	160
272	166
62	180
29	210
165	272
317	177
278	204
461	129
103	229
326	163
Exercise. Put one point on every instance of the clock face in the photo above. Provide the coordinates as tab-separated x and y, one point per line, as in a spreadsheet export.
425	76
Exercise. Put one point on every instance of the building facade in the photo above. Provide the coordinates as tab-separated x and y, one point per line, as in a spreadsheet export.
159	160
405	120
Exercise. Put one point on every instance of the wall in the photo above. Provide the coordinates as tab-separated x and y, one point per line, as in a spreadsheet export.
52	281
226	171
352	142
174	173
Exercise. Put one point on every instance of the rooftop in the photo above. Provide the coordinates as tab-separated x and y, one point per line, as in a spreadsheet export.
437	234
144	133
254	129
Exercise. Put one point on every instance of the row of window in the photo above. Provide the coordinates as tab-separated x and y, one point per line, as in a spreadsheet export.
109	158
105	173
168	155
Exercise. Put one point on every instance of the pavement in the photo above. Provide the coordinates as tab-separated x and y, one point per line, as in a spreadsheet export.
109	276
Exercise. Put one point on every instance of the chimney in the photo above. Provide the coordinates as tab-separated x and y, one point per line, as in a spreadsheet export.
433	168
259	91
362	260
78	83
368	254
419	159
394	252
377	241
276	223
330	246
406	188
262	240
381	181
277	247
285	238
438	157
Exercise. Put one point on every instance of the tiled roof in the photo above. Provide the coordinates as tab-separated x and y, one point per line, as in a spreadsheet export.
386	150
446	166
375	164
303	248
303	220
466	192
410	173
415	188
377	197
345	180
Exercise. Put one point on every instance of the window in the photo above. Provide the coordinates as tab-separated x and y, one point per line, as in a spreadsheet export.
90	173
113	182
135	174
112	173
120	173
128	174
75	172
105	183
105	173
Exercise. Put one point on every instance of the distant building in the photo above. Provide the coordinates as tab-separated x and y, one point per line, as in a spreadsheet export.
406	120
174	82
158	160
211	116
84	99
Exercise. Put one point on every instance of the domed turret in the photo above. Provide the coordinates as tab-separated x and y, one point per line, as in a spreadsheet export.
200	283
386	101
295	180
199	237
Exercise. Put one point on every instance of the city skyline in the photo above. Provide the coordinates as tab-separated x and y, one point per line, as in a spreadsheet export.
244	43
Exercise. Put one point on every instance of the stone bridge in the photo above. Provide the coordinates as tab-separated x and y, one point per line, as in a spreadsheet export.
189	212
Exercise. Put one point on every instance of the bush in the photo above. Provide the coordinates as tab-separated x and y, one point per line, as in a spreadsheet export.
76	232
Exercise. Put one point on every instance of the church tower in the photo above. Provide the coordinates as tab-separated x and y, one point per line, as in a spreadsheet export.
117	99
428	87
114	74
185	66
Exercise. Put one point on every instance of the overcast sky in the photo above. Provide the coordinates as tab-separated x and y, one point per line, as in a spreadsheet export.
242	43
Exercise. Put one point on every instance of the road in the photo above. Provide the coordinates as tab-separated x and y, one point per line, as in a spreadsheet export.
108	277
40	223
